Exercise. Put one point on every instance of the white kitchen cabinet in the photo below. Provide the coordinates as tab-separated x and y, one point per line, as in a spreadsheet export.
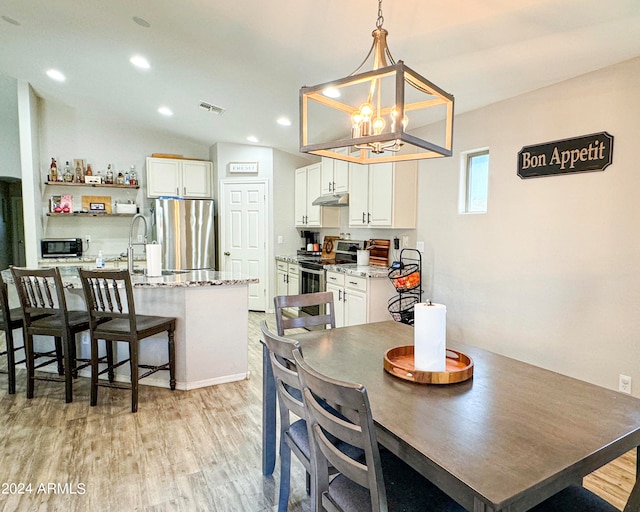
287	278
191	179
359	300
307	189
335	176
383	195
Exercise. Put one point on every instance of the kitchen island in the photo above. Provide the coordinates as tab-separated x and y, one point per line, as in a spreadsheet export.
211	330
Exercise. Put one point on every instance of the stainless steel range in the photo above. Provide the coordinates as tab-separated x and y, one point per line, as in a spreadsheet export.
313	275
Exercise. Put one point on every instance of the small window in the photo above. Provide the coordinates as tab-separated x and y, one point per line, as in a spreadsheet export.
474	181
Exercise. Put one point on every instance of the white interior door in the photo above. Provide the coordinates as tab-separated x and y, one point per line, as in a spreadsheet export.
244	228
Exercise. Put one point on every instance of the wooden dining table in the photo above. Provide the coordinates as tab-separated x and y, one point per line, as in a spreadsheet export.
505	440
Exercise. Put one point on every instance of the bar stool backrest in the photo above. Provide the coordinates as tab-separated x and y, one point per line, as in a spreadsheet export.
109	296
41	292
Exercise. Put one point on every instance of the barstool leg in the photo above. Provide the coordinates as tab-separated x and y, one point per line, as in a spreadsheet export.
172	361
109	349
30	361
11	360
59	354
69	358
133	355
94	370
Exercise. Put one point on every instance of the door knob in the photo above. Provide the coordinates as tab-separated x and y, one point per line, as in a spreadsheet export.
227	253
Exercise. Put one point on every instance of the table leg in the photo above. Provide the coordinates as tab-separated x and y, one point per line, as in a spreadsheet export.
633	504
268	415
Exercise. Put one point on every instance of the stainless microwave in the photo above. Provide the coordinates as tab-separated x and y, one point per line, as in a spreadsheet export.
61	247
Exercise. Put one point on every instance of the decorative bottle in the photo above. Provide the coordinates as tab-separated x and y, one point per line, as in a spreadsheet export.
68	177
53	170
89	171
109	179
132	176
78	175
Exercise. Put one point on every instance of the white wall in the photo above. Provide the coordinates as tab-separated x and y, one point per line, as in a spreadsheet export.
9	138
551	274
67	133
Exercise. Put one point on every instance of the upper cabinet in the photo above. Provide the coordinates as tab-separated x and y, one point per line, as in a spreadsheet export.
383	195
335	176
307	189
191	179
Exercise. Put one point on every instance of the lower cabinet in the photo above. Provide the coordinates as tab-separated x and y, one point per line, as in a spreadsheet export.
288	281
359	300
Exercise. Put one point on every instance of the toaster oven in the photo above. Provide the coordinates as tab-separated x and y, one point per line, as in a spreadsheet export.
61	247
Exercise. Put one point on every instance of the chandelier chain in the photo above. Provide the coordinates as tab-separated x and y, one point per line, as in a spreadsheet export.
380	19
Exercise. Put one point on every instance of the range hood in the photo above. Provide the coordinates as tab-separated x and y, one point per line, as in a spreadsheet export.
332	200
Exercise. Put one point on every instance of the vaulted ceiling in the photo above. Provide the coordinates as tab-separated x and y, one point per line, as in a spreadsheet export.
251	57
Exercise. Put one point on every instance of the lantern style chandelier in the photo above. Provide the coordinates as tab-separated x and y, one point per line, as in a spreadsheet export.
373	116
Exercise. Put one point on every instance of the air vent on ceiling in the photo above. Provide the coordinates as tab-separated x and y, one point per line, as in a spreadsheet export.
211	108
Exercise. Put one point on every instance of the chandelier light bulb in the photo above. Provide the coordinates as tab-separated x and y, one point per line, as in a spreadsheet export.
367	110
378	125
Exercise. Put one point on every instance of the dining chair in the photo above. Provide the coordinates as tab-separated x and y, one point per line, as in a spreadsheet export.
322	299
10	320
376	481
113	318
293	435
45	313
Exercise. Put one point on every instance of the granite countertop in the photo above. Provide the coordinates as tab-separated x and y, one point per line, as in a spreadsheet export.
372	271
289	259
42	262
178	279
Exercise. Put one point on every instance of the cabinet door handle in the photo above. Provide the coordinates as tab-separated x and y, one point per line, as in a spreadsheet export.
344	296
339	295
185	191
177	191
353	283
363	218
334	186
227	253
329	186
368	218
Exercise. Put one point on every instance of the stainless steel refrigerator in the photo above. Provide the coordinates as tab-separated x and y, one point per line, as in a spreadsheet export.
186	228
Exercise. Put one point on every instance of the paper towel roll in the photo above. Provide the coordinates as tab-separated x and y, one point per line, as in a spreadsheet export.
429	337
154	260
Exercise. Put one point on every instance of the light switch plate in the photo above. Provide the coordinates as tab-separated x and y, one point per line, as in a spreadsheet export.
420	246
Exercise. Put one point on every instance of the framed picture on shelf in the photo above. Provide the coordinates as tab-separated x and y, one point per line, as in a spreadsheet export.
97	207
55	202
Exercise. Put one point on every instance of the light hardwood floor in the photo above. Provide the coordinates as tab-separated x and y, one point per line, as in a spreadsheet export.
183	451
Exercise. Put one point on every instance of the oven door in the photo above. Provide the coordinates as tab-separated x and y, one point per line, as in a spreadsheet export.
311	281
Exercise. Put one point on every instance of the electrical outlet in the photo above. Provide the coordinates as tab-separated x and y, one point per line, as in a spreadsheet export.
405	241
87	238
420	246
280	239
140	238
624	384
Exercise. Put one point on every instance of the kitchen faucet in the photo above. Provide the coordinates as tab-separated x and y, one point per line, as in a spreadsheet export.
131	243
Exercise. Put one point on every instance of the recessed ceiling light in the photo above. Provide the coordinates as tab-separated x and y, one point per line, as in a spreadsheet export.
252	138
141	21
10	20
331	92
140	62
56	75
284	121
165	111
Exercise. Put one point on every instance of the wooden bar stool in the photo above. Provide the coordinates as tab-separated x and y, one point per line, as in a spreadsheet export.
45	313
109	296
10	320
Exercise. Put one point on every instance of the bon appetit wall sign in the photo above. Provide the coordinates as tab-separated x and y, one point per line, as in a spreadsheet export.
580	154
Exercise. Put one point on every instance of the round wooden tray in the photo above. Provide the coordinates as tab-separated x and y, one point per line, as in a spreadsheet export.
399	362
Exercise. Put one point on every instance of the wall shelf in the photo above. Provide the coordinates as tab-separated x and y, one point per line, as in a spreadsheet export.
93	185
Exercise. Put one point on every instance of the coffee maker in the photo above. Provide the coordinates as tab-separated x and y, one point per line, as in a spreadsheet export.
310	240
